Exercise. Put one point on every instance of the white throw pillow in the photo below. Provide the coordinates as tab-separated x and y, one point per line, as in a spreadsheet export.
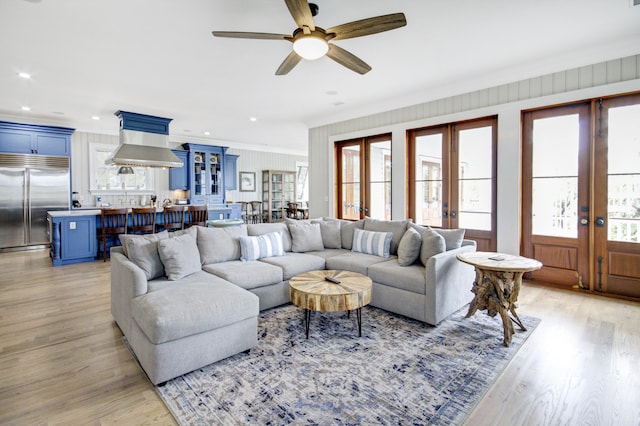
371	242
258	247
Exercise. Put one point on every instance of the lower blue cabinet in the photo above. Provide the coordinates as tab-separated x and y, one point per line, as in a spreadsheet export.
73	239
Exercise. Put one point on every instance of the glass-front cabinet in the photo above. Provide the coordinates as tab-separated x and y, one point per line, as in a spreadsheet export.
278	189
206	180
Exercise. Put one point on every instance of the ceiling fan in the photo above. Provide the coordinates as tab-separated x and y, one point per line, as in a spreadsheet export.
311	42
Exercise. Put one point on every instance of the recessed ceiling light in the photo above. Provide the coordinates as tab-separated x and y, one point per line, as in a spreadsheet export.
95	117
24	75
253	119
207	133
58	112
25	108
338	103
187	131
331	92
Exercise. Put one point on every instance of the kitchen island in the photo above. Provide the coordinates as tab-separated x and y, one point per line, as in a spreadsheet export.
73	233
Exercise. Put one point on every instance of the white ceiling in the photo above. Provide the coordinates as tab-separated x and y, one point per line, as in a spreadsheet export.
158	57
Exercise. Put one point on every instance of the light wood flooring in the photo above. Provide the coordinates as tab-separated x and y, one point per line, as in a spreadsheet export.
62	360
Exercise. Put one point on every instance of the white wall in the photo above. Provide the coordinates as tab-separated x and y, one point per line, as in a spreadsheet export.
506	101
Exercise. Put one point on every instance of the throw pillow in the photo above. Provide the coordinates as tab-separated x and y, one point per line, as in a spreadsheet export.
255	229
143	251
432	242
220	244
179	256
409	247
452	237
371	242
305	237
330	230
258	247
396	227
346	231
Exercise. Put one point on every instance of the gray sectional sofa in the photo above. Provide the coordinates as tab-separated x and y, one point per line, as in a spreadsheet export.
187	299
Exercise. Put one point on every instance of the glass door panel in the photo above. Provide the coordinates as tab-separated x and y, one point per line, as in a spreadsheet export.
555	176
379	178
475	178
428	162
350	203
624	174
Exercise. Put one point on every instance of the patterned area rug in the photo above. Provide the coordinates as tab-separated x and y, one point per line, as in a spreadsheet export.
399	372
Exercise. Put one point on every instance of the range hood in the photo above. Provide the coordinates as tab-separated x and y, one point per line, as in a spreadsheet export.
144	142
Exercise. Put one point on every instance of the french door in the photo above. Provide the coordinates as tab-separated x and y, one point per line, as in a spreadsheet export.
581	194
452	183
364	178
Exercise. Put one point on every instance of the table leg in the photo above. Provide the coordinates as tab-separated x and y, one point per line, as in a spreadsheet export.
307	319
359	319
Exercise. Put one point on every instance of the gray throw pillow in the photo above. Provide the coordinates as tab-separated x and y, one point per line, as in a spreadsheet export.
346	231
143	251
179	256
305	237
396	227
409	247
220	244
432	242
330	230
452	237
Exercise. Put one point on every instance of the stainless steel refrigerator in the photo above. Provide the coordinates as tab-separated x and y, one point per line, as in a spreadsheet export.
30	185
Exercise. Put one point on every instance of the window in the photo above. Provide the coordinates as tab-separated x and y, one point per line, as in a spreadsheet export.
364	177
106	178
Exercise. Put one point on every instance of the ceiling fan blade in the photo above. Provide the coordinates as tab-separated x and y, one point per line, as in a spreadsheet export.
261	36
289	62
301	13
368	26
348	59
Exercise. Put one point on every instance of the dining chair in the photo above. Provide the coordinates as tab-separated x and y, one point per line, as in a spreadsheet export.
256	212
143	220
113	222
196	215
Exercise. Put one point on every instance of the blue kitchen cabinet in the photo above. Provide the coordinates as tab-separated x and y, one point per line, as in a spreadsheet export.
206	173
73	239
18	138
179	176
230	175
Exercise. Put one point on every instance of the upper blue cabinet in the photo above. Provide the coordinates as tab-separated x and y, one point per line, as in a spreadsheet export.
206	173
179	176
143	123
21	138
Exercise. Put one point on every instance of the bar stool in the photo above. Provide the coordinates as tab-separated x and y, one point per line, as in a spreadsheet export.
245	212
256	212
113	222
173	218
143	220
196	215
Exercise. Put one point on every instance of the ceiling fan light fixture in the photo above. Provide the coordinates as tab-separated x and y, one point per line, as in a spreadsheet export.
311	47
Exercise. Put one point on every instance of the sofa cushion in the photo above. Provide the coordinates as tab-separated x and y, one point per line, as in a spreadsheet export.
409	247
327	253
247	275
295	263
186	309
353	261
143	251
266	245
330	230
346	230
452	237
254	229
220	244
305	236
372	242
396	227
391	273
432	242
179	256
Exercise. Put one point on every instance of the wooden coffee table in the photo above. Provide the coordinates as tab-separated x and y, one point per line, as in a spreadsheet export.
313	292
497	285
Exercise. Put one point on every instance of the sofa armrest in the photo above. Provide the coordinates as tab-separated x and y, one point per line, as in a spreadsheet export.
448	282
127	282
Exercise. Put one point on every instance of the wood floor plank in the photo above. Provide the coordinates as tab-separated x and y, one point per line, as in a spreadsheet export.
62	360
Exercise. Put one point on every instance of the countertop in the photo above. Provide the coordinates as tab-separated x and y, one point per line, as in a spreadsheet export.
95	211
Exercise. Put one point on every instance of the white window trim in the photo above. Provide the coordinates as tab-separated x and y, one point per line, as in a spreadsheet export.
93	171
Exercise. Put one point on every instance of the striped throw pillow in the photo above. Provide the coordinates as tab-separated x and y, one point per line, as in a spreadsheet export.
371	242
265	245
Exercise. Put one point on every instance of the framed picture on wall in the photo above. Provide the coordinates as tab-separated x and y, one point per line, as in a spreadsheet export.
247	181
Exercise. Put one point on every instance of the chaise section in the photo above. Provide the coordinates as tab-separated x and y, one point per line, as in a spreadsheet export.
354	262
247	275
293	264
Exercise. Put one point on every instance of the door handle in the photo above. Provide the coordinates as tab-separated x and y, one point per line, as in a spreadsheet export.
445	213
600	221
584	221
454	214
